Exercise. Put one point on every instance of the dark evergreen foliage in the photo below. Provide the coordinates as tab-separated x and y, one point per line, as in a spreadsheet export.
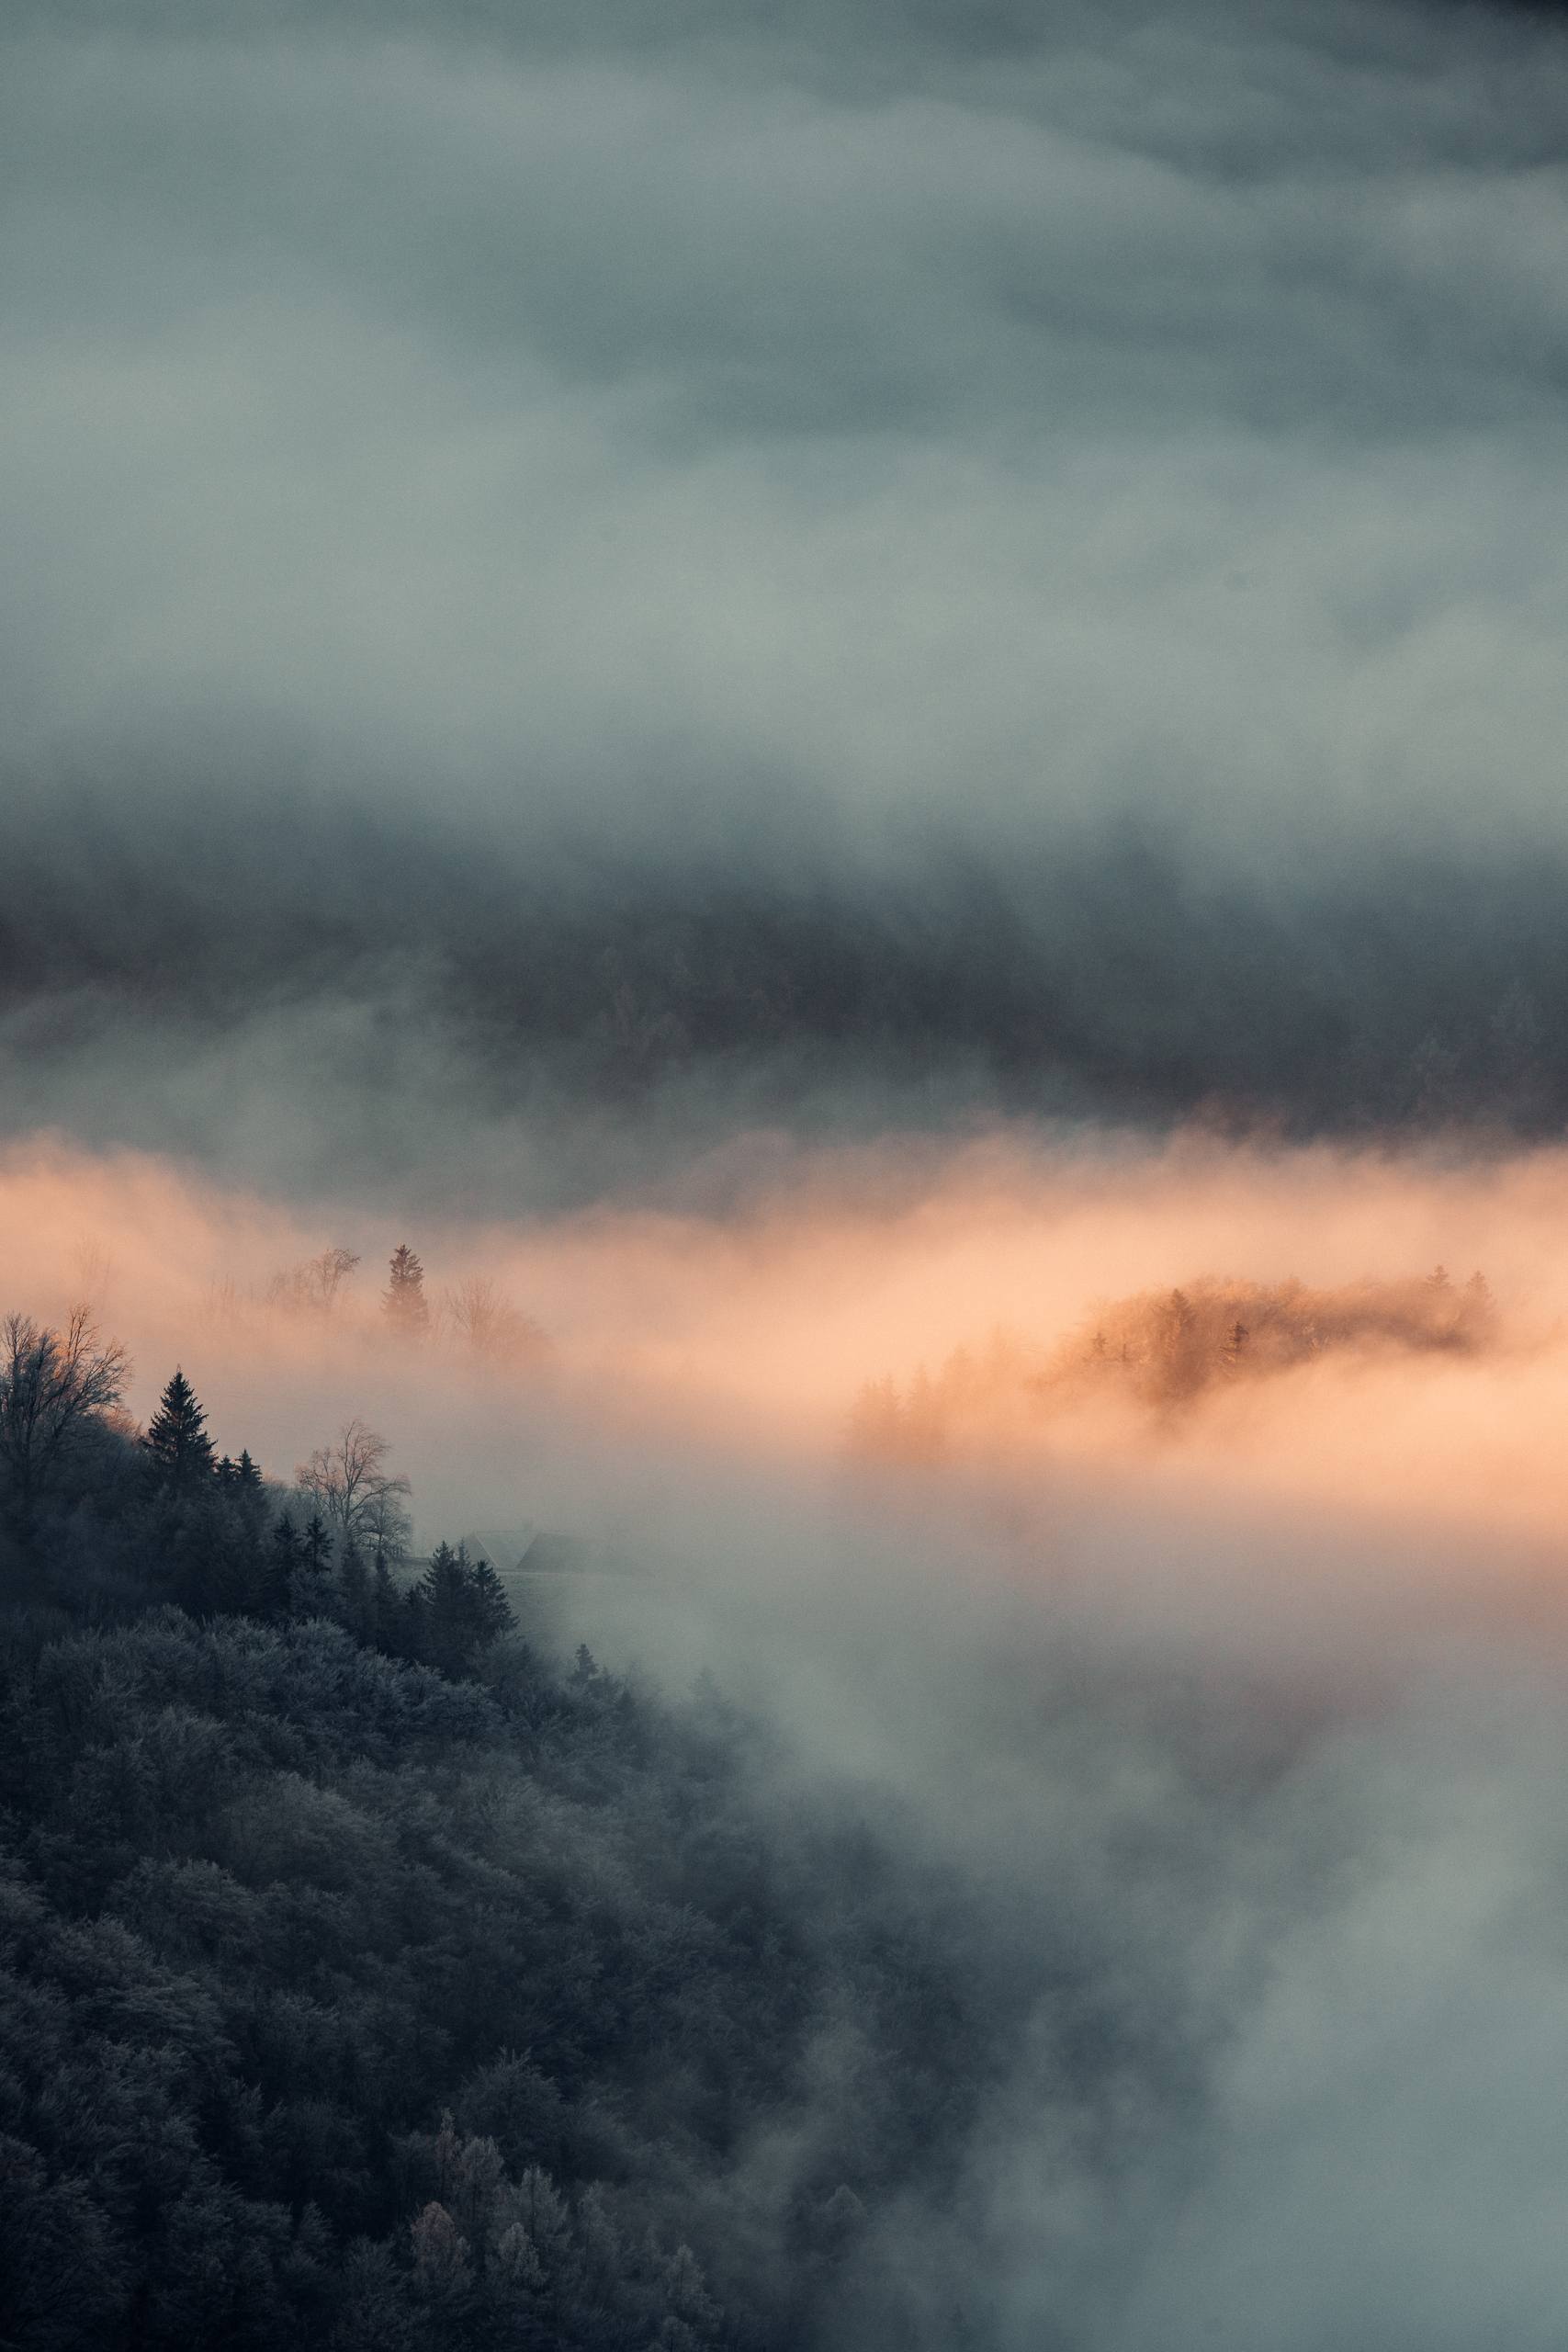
176	1442
457	1608
368	1981
241	1477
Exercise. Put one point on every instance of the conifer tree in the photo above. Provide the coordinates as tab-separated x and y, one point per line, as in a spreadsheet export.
405	1303
384	1602
1478	1311
284	1560
442	1601
176	1439
492	1613
316	1545
458	1607
355	1591
240	1478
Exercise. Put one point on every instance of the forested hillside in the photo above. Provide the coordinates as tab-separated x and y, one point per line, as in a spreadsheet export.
368	1980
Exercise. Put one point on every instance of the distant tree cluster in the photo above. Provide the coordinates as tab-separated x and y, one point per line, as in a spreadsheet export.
473	1315
1165	1346
1162	1350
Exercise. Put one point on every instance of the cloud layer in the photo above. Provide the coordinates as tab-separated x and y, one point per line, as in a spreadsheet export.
855	538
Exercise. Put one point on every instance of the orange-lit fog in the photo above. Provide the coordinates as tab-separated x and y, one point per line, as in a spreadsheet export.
755	1331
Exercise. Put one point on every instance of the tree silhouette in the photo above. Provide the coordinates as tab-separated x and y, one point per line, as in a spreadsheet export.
356	1593
316	1545
405	1303
283	1559
176	1440
355	1494
458	1608
1180	1346
242	1477
481	1315
492	1613
53	1384
385	1602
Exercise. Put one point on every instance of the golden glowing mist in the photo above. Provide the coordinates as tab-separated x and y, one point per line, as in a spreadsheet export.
759	1328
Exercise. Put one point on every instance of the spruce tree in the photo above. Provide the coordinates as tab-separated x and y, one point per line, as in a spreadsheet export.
460	1607
240	1478
492	1614
316	1545
446	1593
355	1593
176	1439
284	1560
384	1603
406	1307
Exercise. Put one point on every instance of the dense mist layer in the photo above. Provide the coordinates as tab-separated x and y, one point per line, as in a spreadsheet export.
750	1329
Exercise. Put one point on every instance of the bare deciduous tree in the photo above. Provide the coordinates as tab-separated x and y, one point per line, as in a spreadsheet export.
52	1385
481	1315
351	1489
313	1284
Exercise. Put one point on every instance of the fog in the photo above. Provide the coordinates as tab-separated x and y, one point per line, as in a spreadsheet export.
862	710
757	1324
1239	1726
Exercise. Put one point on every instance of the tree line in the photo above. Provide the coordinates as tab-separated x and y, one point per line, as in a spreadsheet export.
207	1532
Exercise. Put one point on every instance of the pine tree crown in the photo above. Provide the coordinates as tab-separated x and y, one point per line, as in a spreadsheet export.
176	1436
404	1300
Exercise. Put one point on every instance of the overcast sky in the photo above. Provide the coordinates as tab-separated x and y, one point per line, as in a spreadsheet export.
749	434
1009	411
